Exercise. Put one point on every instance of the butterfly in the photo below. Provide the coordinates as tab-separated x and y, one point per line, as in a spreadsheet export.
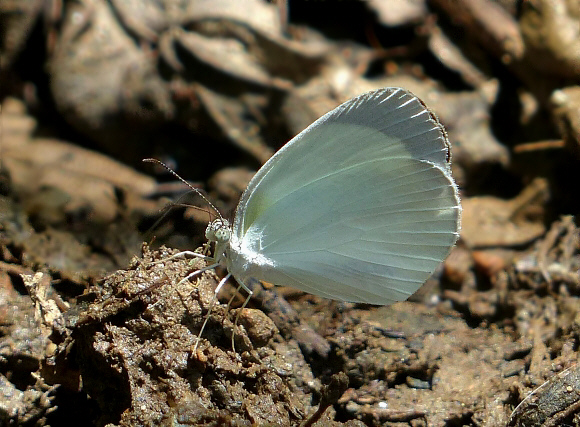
361	206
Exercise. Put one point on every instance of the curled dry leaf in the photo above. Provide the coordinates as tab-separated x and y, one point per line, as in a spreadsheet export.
489	23
551	31
83	180
102	82
404	13
488	221
17	19
566	103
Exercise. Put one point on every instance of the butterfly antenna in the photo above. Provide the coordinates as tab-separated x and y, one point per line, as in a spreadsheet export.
159	162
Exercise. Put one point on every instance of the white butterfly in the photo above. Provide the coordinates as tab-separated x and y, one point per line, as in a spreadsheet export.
360	206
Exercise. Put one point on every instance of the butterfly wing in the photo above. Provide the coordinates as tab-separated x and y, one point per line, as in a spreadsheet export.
360	206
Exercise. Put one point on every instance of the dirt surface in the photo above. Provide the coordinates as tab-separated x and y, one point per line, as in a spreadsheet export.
99	328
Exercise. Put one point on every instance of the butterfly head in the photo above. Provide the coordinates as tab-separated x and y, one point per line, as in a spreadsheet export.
219	231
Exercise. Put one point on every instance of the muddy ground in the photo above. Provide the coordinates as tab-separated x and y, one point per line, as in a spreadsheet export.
97	326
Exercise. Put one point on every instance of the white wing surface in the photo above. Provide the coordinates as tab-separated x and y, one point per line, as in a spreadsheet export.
360	206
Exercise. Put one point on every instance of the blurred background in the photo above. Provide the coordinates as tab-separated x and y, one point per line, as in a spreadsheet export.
88	88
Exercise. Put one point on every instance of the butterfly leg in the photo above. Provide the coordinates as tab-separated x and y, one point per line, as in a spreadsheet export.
189	276
211	304
180	254
193	274
196	272
250	293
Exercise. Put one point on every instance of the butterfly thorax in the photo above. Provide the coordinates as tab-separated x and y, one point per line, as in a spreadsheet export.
243	261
